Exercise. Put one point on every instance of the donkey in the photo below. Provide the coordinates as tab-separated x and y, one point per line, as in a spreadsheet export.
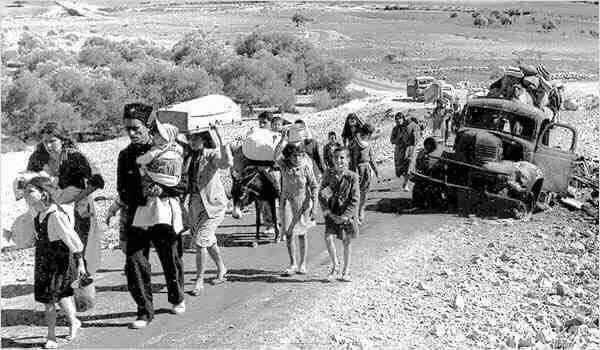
252	182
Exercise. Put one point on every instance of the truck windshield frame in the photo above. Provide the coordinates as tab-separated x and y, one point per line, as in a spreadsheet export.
501	121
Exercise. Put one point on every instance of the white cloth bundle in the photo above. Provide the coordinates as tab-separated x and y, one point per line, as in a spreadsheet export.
260	145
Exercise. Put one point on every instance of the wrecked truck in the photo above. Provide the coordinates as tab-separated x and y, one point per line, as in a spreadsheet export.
505	156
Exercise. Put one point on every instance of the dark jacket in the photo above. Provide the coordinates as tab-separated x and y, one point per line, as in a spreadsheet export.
129	180
328	150
74	169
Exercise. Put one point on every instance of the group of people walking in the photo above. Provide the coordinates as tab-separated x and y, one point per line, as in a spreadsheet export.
158	172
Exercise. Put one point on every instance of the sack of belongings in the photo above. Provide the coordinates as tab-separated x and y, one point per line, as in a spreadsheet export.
260	145
527	84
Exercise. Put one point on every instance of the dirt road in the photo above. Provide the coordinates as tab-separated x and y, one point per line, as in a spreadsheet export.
254	287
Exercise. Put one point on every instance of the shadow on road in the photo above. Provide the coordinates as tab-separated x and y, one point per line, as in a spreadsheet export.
254	275
26	317
16	290
14	343
87	324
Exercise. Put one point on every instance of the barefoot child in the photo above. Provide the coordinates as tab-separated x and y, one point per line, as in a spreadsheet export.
58	256
298	199
339	196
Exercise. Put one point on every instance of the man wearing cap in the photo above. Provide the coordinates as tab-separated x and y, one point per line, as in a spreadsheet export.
135	241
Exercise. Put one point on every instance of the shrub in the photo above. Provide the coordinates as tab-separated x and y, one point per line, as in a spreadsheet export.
454	15
548	25
277	43
322	100
33	58
163	83
253	82
330	75
197	49
505	20
475	14
299	19
594	33
98	56
30	103
480	21
28	42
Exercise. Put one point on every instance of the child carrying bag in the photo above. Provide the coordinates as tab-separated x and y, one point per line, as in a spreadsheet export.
84	293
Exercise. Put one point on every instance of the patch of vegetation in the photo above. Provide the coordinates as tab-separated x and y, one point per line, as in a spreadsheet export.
300	20
84	91
549	25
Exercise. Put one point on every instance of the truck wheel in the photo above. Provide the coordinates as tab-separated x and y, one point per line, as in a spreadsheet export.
522	211
418	195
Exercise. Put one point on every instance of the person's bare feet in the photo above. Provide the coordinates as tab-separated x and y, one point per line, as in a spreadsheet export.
73	330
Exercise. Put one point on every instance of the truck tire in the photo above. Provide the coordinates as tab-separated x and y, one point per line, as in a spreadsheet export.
419	195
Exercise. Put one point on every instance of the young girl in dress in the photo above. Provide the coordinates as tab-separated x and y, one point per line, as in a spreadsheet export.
298	199
58	256
362	162
339	196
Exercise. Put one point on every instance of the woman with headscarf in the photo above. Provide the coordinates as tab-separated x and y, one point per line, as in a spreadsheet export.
77	179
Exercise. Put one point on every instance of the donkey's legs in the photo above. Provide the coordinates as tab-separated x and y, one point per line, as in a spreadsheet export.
258	220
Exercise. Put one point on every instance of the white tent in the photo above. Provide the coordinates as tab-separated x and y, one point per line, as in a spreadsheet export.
196	114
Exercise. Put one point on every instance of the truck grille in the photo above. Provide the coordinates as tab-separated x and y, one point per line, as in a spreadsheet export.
485	153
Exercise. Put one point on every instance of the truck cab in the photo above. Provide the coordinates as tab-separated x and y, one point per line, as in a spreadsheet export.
416	87
508	151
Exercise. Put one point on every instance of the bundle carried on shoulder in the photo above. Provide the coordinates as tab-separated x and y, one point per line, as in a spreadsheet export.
260	145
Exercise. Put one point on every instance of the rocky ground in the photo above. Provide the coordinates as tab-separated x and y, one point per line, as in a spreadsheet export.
471	284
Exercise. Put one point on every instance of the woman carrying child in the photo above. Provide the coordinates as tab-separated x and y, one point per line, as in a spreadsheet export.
77	179
339	196
298	200
58	256
207	202
362	162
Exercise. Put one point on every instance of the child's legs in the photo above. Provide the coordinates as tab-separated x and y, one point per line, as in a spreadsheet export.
347	252
291	247
361	205
303	244
330	244
288	211
283	215
68	305
200	264
51	320
215	254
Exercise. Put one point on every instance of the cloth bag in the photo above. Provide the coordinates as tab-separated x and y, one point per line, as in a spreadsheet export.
260	145
84	294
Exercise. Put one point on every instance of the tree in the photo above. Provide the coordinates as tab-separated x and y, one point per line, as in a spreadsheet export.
329	75
300	19
30	103
253	82
197	49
